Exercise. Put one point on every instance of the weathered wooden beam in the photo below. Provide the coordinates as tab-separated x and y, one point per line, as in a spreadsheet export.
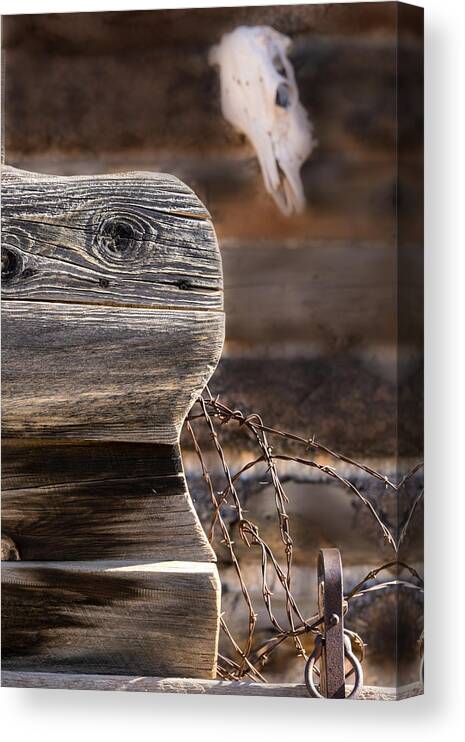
118	32
111	617
112	325
103	373
113	234
347	400
346	79
187	685
89	500
138	239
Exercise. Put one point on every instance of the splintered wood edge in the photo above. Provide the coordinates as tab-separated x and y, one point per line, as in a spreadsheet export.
72	681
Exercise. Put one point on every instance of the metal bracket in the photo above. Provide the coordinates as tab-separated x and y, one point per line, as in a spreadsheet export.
330	605
333	643
329	646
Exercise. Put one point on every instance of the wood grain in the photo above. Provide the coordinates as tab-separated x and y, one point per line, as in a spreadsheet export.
94	500
73	681
139	239
104	373
84	263
111	617
112	325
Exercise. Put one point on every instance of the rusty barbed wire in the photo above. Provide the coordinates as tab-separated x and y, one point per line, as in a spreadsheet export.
250	659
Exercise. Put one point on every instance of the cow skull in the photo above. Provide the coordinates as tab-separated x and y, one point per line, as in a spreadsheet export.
259	96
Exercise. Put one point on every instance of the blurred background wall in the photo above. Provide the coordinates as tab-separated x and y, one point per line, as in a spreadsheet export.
324	309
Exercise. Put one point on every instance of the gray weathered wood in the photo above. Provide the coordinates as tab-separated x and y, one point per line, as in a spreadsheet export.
112	325
141	239
75	367
111	617
103	373
98	500
186	685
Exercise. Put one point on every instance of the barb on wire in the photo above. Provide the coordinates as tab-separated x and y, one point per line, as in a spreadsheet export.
248	660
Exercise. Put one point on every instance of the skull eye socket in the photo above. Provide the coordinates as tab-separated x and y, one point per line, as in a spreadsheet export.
283	95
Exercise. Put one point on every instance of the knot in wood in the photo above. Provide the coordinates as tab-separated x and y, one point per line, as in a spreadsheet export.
11	263
121	237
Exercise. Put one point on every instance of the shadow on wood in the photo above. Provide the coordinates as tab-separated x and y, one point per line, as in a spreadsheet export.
112	325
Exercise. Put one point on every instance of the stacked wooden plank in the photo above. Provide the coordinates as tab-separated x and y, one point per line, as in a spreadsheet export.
112	325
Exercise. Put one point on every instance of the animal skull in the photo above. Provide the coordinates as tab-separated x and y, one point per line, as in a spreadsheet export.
259	96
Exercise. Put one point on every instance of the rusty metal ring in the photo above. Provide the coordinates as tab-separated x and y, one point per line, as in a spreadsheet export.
356	666
349	655
360	655
310	666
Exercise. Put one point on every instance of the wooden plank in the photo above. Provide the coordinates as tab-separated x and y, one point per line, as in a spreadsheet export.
347	402
73	681
350	77
43	463
110	617
104	373
341	400
348	197
350	179
119	32
130	240
112	325
98	500
139	239
326	294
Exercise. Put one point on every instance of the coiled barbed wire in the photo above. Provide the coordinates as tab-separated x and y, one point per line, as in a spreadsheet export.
249	660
